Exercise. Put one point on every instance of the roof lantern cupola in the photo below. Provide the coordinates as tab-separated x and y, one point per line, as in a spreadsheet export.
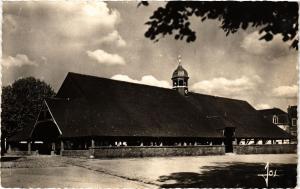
180	78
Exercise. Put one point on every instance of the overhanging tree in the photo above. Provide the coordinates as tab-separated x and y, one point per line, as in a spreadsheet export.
21	103
271	18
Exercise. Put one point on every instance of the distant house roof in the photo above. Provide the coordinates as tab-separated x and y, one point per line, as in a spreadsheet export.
272	111
93	106
282	117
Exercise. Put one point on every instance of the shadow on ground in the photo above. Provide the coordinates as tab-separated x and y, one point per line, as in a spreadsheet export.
232	175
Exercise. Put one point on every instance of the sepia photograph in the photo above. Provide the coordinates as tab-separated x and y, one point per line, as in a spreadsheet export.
149	94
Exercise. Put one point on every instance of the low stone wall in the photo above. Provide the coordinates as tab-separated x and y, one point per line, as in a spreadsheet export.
22	153
265	149
76	153
156	151
146	151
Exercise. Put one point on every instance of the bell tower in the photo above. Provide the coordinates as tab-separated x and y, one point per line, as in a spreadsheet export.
180	79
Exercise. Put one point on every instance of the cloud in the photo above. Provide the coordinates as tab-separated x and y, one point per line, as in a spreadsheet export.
103	57
262	106
18	61
274	48
285	91
227	87
113	37
81	19
146	80
75	24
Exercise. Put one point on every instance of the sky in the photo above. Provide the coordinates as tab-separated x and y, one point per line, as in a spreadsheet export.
47	40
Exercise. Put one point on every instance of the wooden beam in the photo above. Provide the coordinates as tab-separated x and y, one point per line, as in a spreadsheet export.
248	140
44	120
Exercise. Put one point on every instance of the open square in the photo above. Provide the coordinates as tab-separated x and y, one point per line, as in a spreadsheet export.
157	172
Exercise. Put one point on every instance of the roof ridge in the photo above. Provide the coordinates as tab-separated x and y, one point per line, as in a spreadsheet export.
139	84
218	97
115	80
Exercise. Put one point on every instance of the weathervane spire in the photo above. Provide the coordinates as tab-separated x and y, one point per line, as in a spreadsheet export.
179	60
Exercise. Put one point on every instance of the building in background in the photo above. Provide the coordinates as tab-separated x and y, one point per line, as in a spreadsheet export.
277	117
284	120
292	117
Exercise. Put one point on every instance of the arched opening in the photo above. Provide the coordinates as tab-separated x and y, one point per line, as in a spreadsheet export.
47	133
180	82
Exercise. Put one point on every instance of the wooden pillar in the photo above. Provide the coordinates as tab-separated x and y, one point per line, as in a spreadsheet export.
93	143
9	148
53	146
92	149
61	146
29	147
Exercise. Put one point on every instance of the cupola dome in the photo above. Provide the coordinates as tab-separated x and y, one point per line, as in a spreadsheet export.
180	79
180	72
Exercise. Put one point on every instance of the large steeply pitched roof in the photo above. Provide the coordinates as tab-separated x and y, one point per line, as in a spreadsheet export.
93	106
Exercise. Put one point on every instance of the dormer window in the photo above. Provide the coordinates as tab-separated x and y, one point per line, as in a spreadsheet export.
275	119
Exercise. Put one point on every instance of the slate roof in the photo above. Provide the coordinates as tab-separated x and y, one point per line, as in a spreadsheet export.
269	113
272	111
249	123
93	106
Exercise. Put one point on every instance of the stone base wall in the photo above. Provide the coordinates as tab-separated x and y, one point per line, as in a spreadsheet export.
146	151
22	153
265	149
120	152
76	153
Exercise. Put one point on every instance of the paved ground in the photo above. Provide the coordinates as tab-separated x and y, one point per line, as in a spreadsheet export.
201	171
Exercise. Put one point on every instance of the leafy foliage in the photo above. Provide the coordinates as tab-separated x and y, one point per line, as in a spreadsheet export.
271	17
21	103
